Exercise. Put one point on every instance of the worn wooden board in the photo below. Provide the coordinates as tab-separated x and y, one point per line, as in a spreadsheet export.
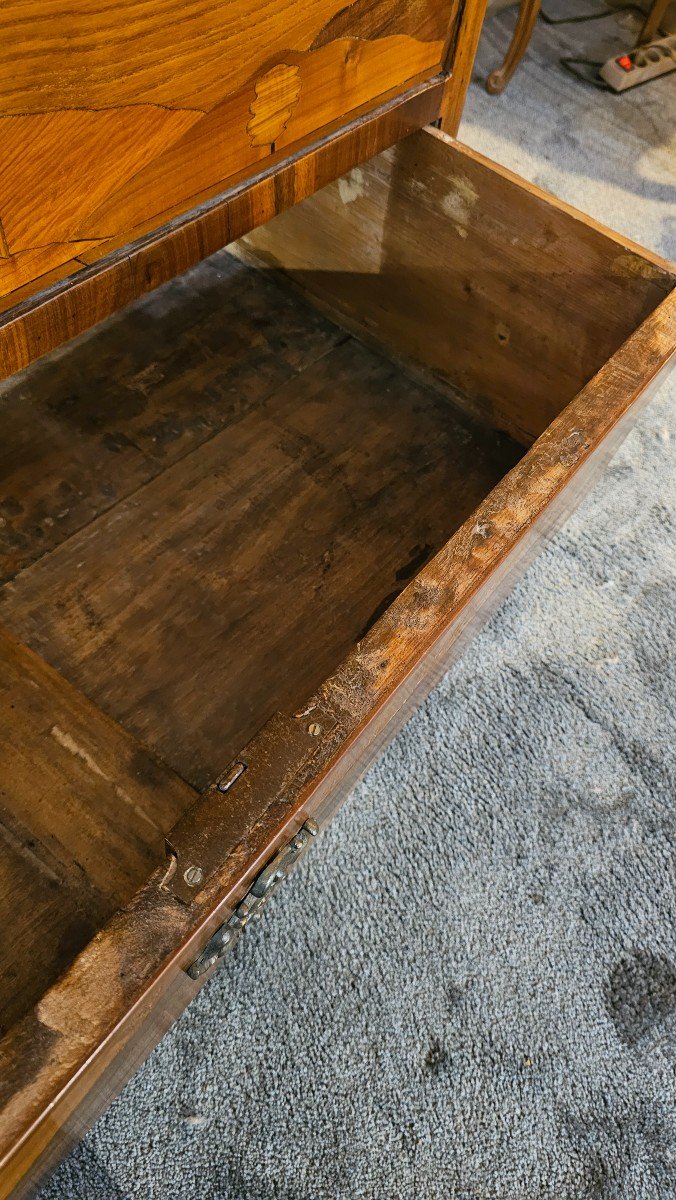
231	583
483	280
85	429
45	923
114	114
83	813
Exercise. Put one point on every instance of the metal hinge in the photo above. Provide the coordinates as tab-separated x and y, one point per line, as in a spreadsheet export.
254	902
222	818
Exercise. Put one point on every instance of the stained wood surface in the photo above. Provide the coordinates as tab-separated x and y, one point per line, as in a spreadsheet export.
83	813
75	294
83	430
394	665
112	115
46	923
483	280
247	504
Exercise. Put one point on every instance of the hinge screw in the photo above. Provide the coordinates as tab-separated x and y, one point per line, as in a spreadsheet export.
193	876
314	729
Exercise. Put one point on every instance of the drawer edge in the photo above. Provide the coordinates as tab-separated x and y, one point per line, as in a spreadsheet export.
42	321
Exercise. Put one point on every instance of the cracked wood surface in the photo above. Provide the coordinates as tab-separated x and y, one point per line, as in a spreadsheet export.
83	813
115	115
227	520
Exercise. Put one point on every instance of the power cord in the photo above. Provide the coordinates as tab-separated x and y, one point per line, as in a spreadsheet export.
611	11
571	64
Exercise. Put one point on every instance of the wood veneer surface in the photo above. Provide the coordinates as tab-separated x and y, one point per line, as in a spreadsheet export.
112	115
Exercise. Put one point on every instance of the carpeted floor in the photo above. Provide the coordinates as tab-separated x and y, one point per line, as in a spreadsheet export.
469	989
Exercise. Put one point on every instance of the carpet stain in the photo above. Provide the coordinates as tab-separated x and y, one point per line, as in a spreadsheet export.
434	1057
641	993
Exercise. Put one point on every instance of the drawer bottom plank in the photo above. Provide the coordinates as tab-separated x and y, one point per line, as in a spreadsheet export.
229	585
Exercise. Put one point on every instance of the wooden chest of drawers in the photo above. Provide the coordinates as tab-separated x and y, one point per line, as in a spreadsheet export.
246	523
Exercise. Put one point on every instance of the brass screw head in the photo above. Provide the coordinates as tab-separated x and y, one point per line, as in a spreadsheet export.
314	729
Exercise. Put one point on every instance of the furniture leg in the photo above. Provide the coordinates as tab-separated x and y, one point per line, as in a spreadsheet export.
653	21
528	13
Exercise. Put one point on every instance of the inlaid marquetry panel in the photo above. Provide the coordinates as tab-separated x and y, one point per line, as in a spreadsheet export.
117	115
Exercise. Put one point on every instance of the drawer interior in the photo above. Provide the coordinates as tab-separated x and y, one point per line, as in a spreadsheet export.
205	505
208	501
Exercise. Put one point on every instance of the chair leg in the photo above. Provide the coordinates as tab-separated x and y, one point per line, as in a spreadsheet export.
528	14
653	21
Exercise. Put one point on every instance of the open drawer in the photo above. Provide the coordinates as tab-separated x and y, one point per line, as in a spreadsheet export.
238	542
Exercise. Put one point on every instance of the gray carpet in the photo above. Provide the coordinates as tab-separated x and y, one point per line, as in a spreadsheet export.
469	989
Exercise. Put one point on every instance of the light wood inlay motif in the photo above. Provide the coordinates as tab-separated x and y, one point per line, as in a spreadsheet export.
115	115
277	94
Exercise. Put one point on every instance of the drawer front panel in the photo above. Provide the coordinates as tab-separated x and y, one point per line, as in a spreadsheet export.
117	117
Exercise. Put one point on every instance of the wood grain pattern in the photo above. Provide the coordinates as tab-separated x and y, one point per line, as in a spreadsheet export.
111	273
113	115
83	813
82	432
228	586
277	94
175	53
31	266
86	1060
60	1061
485	282
44	155
463	41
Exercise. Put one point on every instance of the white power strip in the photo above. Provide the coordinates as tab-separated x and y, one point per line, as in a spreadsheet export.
640	65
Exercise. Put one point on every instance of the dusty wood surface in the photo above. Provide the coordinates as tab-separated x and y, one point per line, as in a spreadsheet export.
115	115
76	295
483	280
236	513
62	1049
83	813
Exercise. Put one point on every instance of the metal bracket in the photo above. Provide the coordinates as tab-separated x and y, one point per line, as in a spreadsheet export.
251	907
227	811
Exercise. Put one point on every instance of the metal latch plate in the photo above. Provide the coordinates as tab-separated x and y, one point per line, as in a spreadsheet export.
225	813
254	902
